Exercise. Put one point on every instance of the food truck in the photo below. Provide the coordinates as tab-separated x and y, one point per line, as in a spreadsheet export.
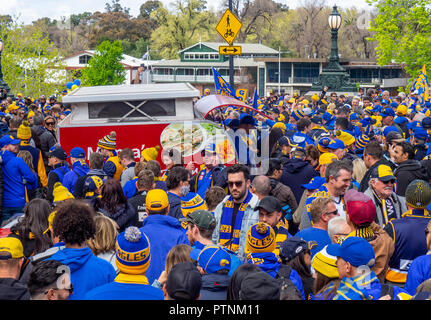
147	115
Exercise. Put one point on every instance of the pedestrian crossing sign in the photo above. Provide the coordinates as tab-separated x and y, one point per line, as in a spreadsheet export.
229	26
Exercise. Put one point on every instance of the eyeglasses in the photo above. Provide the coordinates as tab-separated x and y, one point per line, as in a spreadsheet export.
236	183
335	212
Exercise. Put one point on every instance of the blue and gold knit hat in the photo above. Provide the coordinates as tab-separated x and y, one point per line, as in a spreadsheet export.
260	238
362	141
192	202
132	251
297	114
108	142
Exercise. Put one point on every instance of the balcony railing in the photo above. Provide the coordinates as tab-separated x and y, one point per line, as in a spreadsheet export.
194	78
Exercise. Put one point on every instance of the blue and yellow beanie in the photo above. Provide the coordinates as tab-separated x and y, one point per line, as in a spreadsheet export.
297	114
260	238
132	251
108	142
362	141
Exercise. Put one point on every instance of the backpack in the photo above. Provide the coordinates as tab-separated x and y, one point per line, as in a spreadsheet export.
288	290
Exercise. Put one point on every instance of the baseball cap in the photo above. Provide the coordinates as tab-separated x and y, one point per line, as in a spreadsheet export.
286	141
326	158
420	133
78	153
10	248
388	112
293	246
315	183
307	111
259	286
336	144
317	120
383	173
413	124
214	258
157	199
202	218
355	250
184	281
393	136
269	204
426	123
58	152
7	140
360	208
418	194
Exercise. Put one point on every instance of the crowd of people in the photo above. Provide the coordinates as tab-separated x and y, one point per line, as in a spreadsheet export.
341	213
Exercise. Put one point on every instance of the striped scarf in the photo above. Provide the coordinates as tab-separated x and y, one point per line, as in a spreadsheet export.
227	235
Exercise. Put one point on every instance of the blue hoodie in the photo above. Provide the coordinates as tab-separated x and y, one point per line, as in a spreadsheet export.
163	232
87	270
70	178
15	172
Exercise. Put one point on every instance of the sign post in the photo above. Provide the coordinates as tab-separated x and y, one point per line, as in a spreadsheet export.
228	27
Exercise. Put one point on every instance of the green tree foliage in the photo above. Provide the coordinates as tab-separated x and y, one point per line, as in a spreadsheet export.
30	62
105	68
189	23
402	30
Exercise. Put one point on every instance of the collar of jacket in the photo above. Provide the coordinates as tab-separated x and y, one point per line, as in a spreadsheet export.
252	203
392	197
131	278
416	213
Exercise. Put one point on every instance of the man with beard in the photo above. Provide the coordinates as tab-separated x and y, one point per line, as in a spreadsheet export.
236	213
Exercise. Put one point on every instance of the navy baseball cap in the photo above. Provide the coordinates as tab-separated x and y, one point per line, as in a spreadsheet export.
426	123
293	246
7	140
78	153
354	250
58	152
413	124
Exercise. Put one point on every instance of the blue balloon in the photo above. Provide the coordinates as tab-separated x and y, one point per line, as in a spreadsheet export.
77	82
69	85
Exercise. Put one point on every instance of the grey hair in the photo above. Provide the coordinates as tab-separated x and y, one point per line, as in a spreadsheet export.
335	225
334	169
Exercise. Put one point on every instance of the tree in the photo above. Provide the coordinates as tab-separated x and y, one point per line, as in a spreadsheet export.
31	63
402	31
189	23
105	68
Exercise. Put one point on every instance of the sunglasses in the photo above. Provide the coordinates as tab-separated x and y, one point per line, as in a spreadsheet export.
50	123
386	182
236	183
335	212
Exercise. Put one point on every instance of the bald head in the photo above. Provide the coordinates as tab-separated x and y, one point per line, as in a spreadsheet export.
261	186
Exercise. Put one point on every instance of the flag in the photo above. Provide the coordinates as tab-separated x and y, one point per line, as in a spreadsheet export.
255	98
241	94
222	87
146	55
421	85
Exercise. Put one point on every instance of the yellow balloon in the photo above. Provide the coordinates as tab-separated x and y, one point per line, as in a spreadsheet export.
74	87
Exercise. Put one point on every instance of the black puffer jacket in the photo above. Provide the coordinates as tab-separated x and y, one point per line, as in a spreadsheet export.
47	141
408	171
124	215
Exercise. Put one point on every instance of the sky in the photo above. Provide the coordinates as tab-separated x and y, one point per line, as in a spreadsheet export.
30	10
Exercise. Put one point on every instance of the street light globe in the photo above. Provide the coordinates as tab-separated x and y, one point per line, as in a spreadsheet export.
1	46
334	19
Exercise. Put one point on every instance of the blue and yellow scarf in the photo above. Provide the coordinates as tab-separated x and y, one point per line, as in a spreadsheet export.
269	262
226	234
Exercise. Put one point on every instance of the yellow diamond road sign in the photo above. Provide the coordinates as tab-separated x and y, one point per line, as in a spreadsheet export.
230	50
228	26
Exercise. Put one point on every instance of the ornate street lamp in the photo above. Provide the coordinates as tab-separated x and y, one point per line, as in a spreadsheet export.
334	75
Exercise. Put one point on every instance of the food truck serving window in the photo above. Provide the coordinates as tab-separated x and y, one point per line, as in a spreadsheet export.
132	109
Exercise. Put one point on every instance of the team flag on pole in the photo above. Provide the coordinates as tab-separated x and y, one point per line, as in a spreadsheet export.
421	85
222	87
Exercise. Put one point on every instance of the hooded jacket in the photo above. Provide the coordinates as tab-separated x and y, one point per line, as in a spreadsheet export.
163	232
295	173
86	270
12	289
71	177
214	286
408	171
78	191
175	206
47	141
285	195
15	172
